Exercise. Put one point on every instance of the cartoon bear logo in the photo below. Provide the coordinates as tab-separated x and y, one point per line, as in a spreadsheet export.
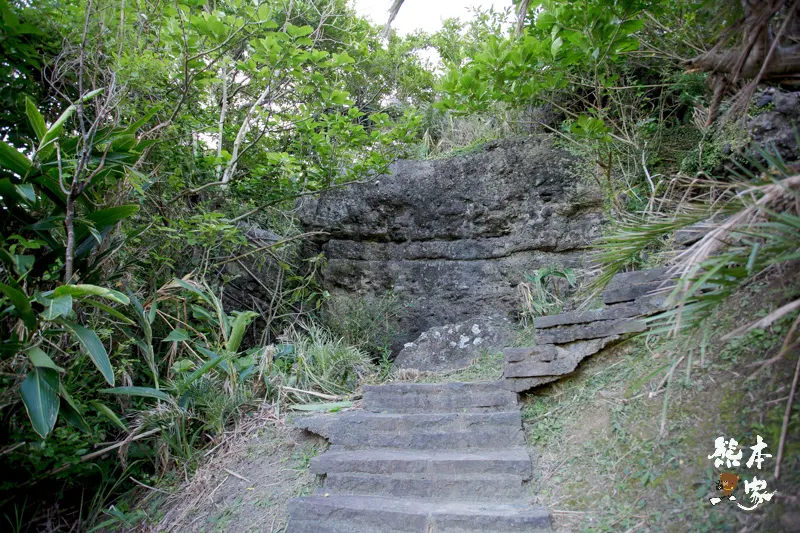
727	483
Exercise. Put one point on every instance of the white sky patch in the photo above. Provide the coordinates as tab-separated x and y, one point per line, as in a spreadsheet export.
426	15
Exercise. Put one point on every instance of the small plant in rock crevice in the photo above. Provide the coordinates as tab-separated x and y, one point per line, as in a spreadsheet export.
540	292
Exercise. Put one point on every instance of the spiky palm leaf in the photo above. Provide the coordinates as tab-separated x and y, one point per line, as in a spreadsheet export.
749	227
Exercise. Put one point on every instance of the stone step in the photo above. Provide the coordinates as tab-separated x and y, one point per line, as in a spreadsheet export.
476	439
438	398
430	487
358	429
496	400
373	514
337	526
386	461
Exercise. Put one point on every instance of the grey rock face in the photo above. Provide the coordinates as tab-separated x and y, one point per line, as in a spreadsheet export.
454	237
454	346
413	463
776	127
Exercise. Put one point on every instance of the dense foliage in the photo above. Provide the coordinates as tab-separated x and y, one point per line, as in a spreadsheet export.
138	140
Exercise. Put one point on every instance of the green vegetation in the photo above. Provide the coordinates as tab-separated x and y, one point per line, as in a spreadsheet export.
156	294
540	291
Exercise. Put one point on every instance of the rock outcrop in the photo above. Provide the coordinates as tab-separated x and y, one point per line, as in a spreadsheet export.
564	340
454	237
775	128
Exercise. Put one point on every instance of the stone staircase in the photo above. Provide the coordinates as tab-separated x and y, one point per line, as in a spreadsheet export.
422	458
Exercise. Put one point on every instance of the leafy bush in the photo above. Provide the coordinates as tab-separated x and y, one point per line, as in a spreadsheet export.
540	291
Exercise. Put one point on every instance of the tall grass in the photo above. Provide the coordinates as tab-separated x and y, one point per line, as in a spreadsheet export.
325	365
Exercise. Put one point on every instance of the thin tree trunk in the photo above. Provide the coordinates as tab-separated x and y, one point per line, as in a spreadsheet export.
222	113
70	229
230	170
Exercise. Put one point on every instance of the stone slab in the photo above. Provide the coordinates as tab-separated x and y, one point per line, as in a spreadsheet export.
443	397
484	487
593	330
640	307
628	286
415	516
424	462
562	360
458	431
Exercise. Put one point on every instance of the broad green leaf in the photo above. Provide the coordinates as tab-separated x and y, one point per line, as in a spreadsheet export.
55	129
329	406
631	26
104	218
13	160
152	313
144	392
627	44
40	359
96	350
299	31
238	328
23	263
206	367
26	191
177	335
191	288
40	396
104	410
133	128
36	119
21	304
95	234
545	20
91	290
147	344
556	46
58	306
70	411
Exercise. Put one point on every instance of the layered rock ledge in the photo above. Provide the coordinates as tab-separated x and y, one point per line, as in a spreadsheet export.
454	237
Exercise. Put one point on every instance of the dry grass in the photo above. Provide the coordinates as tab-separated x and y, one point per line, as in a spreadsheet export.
245	483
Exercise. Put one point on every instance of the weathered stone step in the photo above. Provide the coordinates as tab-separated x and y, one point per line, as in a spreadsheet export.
436	487
337	526
418	431
386	461
433	439
438	398
373	514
